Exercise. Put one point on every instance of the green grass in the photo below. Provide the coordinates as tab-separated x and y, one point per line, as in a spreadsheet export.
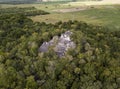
43	6
108	15
55	17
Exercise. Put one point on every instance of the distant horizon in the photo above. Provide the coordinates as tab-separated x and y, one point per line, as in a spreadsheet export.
42	0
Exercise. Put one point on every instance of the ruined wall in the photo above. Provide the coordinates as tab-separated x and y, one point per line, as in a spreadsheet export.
60	44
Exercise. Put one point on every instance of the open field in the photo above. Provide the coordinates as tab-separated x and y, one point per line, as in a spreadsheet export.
102	2
101	15
104	12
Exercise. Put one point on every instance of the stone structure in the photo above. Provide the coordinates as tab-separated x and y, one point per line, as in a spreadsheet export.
60	44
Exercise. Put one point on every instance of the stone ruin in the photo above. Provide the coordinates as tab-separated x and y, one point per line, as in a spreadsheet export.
60	44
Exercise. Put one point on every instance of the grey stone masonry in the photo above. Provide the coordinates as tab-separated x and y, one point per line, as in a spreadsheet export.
60	44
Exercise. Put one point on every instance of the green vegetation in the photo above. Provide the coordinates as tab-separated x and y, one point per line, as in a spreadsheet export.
107	16
16	1
94	64
28	11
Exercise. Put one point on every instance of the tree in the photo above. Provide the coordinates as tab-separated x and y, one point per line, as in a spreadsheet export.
31	83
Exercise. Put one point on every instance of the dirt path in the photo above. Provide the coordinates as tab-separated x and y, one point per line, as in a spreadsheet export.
110	1
79	6
103	2
70	10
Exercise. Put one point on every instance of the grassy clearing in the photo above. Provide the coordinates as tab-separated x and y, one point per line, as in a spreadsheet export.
95	2
107	15
55	17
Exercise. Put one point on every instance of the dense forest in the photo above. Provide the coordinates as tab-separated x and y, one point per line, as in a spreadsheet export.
16	1
93	64
28	11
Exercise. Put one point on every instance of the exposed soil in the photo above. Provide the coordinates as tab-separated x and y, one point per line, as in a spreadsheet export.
111	1
70	9
102	2
84	5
